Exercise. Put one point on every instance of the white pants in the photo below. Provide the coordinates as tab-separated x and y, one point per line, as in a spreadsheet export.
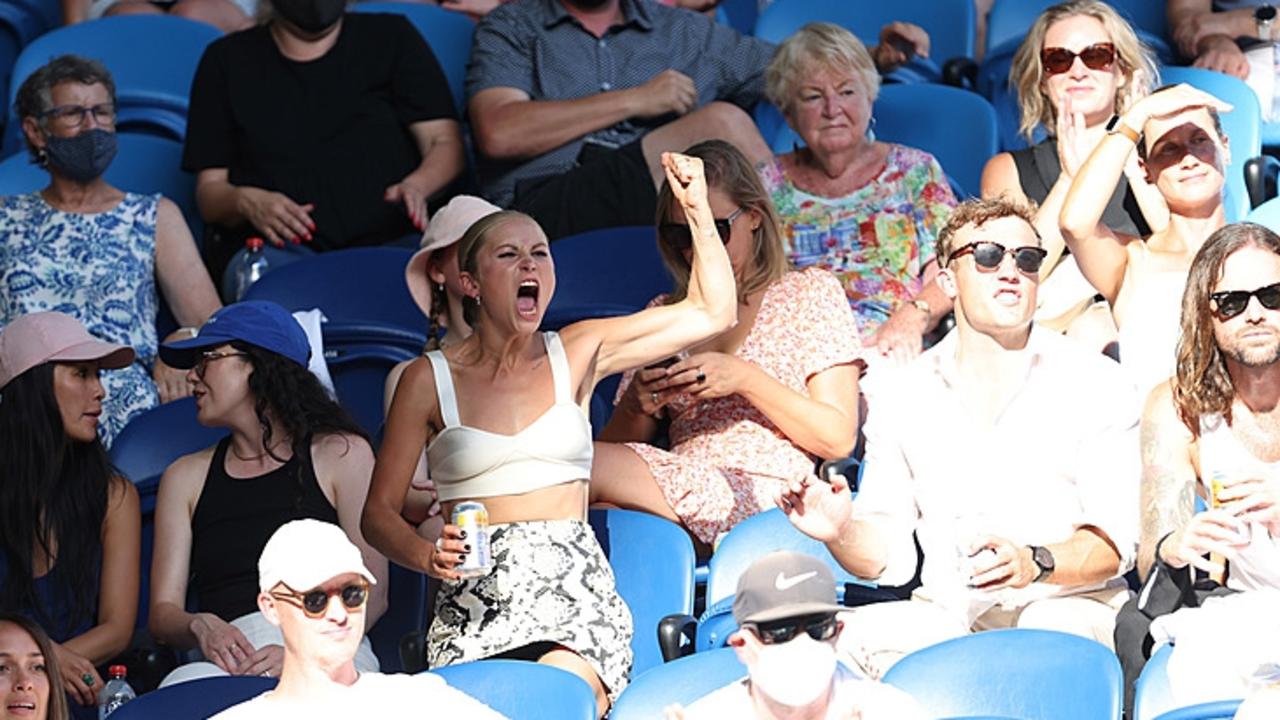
876	636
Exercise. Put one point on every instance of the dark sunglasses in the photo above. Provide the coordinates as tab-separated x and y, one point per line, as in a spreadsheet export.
775	633
987	255
1098	56
315	602
679	237
1233	302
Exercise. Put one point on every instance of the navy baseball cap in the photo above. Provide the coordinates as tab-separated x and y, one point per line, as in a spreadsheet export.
257	322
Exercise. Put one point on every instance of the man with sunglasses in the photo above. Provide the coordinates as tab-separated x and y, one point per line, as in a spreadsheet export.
1213	430
786	612
314	586
1008	450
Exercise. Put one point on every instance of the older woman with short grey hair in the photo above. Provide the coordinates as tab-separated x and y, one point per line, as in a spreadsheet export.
868	211
87	249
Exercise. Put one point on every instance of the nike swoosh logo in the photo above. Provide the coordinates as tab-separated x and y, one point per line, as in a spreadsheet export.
783	582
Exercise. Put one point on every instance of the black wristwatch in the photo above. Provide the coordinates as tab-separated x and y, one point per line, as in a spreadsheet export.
1043	560
1265	17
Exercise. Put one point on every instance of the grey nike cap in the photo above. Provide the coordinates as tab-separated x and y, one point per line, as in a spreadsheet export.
783	585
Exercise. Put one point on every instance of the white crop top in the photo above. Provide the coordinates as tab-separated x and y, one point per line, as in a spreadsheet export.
468	462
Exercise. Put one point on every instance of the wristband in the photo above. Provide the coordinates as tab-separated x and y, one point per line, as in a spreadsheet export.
1117	127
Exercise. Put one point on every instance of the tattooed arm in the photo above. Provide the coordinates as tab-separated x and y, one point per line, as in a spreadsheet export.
1168	476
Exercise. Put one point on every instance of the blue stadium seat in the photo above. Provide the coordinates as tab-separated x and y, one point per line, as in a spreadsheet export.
406	615
951	25
679	681
738	14
524	690
1014	673
1220	710
1243	126
357	285
652	561
1268	214
601	273
359	372
907	114
195	699
152	59
751	539
145	164
448	34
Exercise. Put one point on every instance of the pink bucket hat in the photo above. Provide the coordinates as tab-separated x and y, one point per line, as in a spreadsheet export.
446	228
43	337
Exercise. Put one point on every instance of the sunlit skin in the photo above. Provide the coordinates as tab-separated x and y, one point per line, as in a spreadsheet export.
1186	160
1090	92
79	394
1252	338
24	684
999	301
831	112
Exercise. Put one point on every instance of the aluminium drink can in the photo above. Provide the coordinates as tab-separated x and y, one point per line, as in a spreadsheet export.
473	518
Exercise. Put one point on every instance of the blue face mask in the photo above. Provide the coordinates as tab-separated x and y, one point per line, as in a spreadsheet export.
83	157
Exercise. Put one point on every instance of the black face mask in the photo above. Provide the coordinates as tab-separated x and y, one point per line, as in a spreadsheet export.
83	157
311	16
588	4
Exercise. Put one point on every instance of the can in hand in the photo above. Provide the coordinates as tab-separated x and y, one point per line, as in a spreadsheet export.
473	519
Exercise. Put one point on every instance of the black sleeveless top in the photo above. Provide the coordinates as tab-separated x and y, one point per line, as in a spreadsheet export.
233	520
1038	170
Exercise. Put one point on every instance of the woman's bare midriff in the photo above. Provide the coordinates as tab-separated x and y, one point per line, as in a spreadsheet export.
558	502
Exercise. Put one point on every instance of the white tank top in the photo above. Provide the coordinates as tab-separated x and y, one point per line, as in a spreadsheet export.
1258	565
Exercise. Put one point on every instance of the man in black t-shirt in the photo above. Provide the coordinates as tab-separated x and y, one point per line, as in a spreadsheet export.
319	127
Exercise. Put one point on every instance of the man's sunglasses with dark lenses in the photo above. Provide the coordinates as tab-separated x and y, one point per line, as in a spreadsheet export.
315	602
679	237
1098	56
822	627
1233	302
988	255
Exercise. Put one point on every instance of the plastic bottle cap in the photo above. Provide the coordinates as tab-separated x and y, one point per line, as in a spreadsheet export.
118	671
253	243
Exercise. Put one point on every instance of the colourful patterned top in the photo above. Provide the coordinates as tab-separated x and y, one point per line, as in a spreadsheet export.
877	239
100	269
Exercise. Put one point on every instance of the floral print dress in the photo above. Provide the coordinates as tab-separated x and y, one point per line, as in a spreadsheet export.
96	267
727	459
877	239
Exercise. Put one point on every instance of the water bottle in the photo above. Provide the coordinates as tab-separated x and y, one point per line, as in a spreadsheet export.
115	693
251	266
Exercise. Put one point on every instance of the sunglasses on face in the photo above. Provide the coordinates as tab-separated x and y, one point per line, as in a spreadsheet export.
1098	56
1233	302
315	602
209	356
988	255
679	237
782	631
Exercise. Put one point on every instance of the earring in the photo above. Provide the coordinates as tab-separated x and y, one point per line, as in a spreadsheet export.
42	157
871	129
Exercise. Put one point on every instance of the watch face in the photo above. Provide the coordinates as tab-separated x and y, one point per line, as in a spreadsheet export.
1043	558
1266	13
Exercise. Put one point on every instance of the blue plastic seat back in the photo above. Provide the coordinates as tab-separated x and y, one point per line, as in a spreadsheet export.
359	373
1242	124
447	33
201	698
680	681
406	613
523	690
652	562
738	14
351	286
1268	214
951	24
1019	673
604	273
152	59
1219	710
1153	695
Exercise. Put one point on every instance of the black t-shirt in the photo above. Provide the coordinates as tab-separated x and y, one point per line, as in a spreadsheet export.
332	132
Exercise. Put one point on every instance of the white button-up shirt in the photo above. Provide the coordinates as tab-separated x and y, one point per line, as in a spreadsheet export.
1063	453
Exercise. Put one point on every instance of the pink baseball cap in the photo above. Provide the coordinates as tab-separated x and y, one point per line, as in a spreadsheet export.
446	228
43	337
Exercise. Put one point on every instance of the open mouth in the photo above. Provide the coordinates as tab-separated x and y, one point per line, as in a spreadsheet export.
527	298
1007	296
21	708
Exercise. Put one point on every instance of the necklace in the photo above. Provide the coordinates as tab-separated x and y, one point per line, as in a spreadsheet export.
251	458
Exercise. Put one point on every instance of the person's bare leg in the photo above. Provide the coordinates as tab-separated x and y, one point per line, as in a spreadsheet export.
222	14
570	661
620	478
717	120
